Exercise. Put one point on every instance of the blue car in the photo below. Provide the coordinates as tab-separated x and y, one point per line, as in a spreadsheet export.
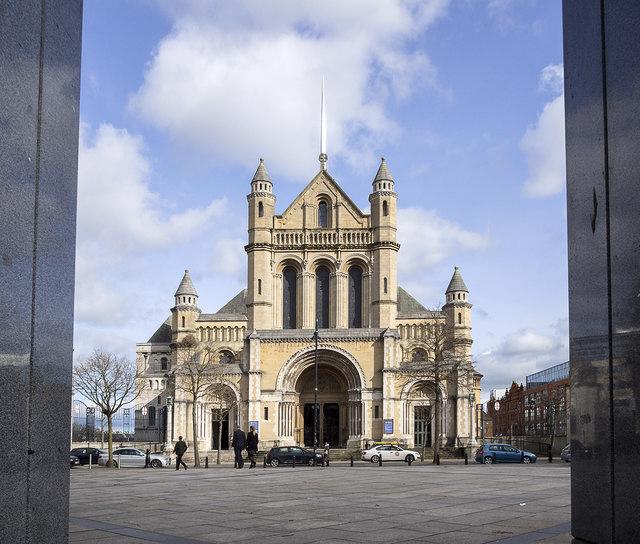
503	453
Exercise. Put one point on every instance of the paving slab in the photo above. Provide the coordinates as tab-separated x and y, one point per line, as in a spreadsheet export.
422	503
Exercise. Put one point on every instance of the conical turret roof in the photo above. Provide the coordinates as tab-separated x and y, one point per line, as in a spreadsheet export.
383	172
186	286
261	173
456	283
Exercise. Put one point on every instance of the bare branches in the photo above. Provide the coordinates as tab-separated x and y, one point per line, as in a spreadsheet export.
107	380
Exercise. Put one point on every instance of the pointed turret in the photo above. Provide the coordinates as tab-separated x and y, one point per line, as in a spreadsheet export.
261	182
457	283
186	286
186	311
384	288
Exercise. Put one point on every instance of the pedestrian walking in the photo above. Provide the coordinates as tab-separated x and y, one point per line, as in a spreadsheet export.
179	449
252	446
147	458
239	443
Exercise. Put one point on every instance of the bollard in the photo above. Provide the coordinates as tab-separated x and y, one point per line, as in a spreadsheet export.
380	460
410	460
352	460
90	456
264	462
118	460
466	459
294	461
326	459
550	455
206	462
437	459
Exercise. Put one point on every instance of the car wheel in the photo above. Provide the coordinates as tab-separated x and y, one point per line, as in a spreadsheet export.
488	460
275	462
526	460
375	459
409	458
311	462
156	463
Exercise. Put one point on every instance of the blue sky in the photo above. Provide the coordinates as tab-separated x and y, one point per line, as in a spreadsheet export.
463	98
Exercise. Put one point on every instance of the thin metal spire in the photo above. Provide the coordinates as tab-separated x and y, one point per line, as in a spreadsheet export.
323	132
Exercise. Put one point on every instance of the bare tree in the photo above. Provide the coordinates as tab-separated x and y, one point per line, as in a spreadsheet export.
194	376
224	401
434	360
109	381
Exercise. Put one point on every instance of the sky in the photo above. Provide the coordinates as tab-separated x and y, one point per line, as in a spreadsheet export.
463	98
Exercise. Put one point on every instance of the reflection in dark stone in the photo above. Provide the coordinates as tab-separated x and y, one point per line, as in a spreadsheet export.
602	100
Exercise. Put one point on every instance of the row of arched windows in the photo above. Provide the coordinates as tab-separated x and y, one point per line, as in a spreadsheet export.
323	297
222	334
418	331
452	296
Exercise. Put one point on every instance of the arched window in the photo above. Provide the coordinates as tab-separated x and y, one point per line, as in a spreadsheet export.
152	416
226	357
189	300
323	214
289	280
419	355
459	318
385	208
150	384
260	209
385	286
259	286
164	363
322	297
355	297
183	322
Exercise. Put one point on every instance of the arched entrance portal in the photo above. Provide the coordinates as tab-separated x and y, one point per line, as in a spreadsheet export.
340	412
333	404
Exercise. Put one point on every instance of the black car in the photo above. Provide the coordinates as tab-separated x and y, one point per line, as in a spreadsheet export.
286	455
84	453
74	461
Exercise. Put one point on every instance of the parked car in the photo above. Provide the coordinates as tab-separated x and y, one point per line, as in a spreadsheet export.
132	457
74	461
389	452
503	453
284	456
84	453
565	454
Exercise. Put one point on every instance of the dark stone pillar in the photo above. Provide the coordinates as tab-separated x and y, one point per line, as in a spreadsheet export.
602	97
39	98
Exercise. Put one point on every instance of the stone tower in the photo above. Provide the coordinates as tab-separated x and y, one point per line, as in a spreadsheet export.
261	205
186	311
384	285
458	312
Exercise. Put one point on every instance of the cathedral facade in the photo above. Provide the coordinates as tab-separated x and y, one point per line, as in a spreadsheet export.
321	265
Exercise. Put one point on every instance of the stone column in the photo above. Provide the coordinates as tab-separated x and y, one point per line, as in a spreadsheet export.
277	301
342	300
309	297
602	108
39	104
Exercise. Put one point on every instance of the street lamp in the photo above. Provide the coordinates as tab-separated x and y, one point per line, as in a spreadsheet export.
315	394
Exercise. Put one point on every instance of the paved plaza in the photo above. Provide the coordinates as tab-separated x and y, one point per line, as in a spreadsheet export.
450	503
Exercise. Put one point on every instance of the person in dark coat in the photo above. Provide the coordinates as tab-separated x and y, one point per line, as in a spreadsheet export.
147	458
252	446
180	449
239	442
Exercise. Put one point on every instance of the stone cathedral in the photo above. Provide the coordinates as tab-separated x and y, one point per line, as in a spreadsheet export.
321	262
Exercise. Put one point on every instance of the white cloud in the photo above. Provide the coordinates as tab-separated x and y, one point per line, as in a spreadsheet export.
121	221
552	79
427	239
242	79
521	353
543	144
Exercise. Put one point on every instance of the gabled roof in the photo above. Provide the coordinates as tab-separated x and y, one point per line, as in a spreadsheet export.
410	307
456	283
331	183
186	286
234	310
261	173
163	334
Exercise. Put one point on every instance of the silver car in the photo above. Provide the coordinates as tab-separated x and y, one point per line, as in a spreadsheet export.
133	457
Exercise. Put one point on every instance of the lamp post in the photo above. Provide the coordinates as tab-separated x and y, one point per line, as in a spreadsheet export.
315	394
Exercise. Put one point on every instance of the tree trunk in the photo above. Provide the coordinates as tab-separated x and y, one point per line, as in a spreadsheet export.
196	453
219	435
110	439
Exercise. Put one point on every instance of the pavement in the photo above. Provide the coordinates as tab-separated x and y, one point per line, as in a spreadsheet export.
451	503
